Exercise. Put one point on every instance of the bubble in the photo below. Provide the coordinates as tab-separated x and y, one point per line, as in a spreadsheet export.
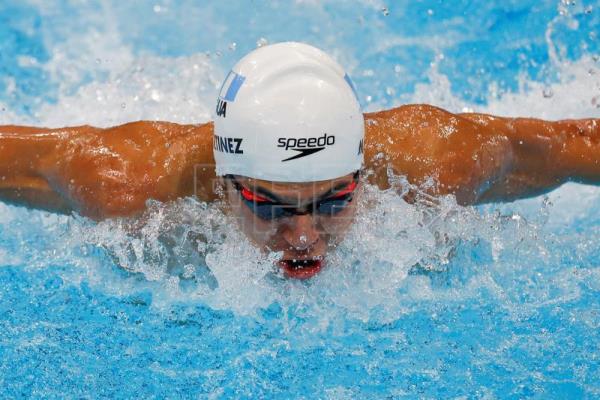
548	92
232	46
262	42
123	105
588	9
385	11
430	12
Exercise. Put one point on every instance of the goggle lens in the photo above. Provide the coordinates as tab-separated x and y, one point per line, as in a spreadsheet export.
268	210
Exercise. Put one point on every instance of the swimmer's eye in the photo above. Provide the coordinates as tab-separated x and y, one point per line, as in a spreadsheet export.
338	202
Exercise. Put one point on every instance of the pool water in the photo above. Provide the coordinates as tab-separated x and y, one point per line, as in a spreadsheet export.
420	301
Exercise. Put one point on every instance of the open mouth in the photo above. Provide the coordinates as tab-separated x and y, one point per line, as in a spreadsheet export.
301	269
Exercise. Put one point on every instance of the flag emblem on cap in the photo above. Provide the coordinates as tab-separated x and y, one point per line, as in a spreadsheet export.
231	86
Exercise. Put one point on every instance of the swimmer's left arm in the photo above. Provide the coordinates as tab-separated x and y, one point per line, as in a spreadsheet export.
545	154
480	158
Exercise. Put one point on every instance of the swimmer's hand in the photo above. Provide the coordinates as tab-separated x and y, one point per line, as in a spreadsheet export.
102	173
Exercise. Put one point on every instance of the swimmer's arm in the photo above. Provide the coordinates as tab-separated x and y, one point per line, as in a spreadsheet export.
545	154
103	173
23	151
479	158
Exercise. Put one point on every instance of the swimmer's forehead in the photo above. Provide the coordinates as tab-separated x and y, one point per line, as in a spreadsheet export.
296	190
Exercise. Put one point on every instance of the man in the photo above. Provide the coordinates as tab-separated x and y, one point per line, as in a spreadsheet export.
288	145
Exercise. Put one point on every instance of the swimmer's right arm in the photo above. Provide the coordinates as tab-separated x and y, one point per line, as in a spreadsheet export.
103	173
23	151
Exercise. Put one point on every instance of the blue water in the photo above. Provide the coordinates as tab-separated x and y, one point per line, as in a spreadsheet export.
507	306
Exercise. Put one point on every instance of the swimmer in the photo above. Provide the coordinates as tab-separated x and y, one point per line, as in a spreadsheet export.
289	145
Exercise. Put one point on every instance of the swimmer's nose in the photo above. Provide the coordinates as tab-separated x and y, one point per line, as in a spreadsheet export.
301	234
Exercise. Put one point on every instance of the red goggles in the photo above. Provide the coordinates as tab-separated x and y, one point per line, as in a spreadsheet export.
267	209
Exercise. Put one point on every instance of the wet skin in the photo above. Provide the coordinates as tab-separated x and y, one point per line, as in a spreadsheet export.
305	237
112	172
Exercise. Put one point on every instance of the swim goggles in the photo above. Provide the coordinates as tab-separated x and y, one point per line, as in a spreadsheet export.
330	204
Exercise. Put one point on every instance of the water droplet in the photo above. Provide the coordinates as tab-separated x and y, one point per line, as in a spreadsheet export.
98	61
262	42
157	8
390	91
595	57
385	11
397	68
123	105
596	101
218	53
430	12
232	46
588	9
592	35
155	95
368	99
591	71
548	92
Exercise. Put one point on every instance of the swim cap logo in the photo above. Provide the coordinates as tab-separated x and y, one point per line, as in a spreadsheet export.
228	145
306	146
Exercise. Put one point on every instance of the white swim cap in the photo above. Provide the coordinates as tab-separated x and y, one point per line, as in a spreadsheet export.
288	113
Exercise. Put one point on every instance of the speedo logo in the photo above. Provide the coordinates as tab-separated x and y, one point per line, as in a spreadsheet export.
227	144
305	146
